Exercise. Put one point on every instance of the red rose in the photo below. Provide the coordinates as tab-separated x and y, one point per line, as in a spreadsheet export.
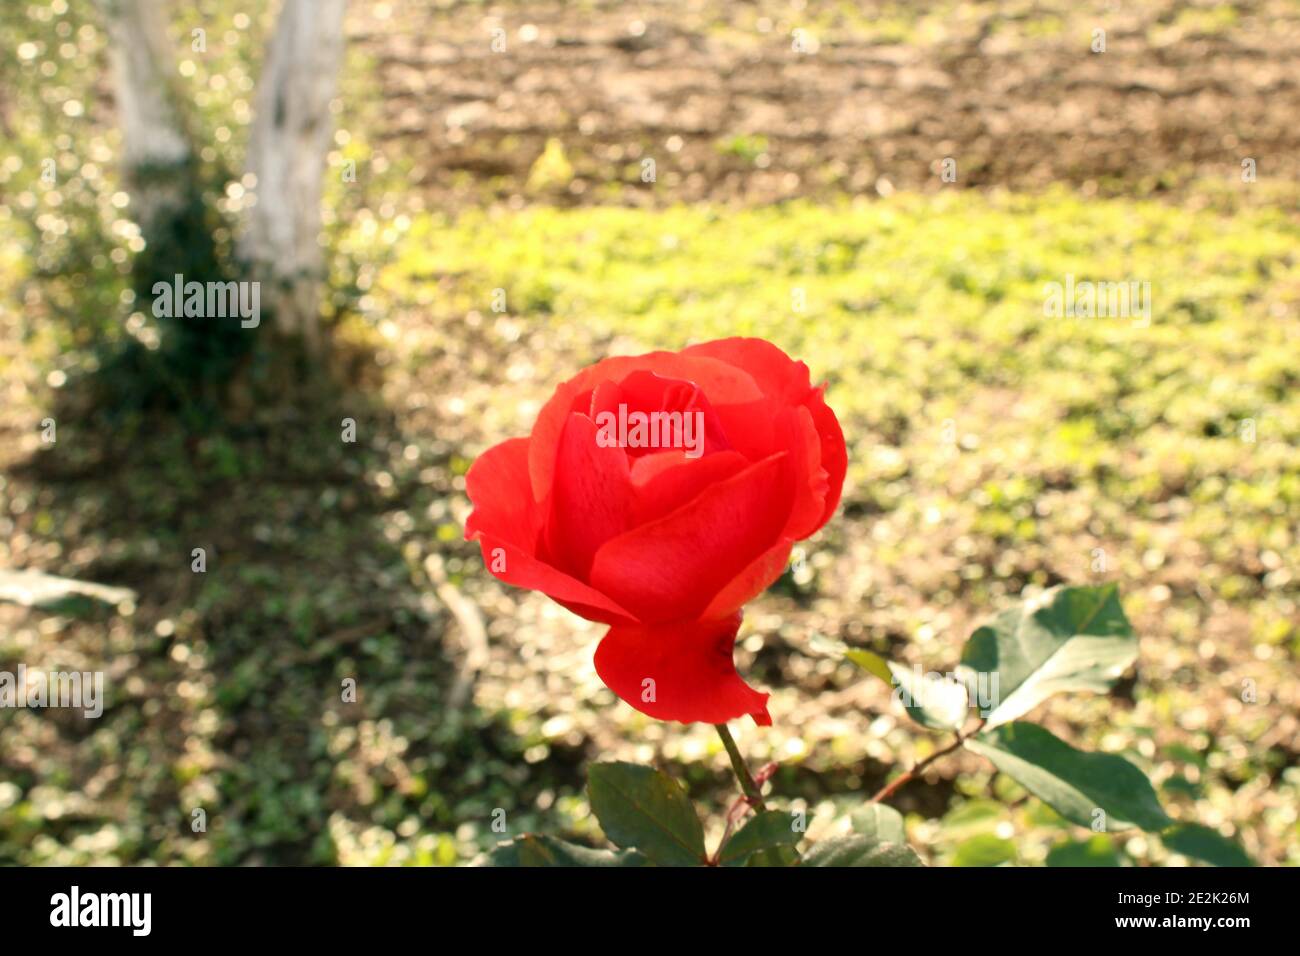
657	494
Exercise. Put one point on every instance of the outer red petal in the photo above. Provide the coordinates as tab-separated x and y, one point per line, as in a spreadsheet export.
505	523
498	487
835	456
751	581
799	434
778	375
523	570
681	672
672	568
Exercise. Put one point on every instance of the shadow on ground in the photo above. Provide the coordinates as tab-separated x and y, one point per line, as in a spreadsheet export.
226	686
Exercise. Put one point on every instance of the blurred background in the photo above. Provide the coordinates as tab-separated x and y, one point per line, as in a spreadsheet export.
513	190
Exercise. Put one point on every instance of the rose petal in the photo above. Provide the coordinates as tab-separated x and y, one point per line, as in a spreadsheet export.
798	433
663	482
760	428
835	456
778	375
720	381
672	568
505	523
650	393
498	486
591	499
508	563
751	427
683	672
752	580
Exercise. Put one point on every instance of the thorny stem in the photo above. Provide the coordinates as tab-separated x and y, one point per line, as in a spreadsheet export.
894	785
734	814
751	789
741	805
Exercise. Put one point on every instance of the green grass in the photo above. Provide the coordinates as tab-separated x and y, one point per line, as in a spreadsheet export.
913	308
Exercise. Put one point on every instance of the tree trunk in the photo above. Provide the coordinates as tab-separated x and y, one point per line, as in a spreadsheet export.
286	152
156	149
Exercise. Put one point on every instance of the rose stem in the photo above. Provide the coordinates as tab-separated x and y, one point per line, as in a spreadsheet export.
746	780
893	786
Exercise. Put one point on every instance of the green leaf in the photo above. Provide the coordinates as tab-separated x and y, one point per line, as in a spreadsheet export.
775	856
879	822
1072	782
641	808
1203	843
1097	850
972	817
1067	638
932	701
871	663
858	850
1180	786
764	831
536	850
984	849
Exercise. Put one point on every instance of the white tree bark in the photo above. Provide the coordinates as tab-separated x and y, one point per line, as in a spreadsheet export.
286	156
155	146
